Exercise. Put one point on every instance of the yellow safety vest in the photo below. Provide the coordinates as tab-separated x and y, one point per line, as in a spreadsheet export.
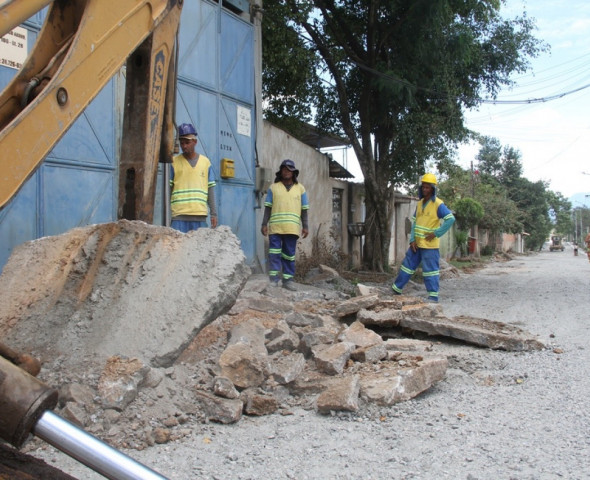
427	221
191	186
285	217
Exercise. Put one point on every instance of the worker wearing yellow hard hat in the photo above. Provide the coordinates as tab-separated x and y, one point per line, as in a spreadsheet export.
431	220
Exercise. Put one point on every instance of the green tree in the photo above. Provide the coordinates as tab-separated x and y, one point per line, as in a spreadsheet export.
532	201
393	78
560	210
501	215
468	213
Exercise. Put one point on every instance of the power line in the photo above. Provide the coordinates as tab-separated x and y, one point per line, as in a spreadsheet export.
535	100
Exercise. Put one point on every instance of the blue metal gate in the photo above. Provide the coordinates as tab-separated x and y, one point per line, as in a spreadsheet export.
216	93
77	183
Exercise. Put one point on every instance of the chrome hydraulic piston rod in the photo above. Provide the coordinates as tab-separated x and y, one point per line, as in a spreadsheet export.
90	451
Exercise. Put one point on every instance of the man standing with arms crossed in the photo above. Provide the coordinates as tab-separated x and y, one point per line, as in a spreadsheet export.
192	183
424	239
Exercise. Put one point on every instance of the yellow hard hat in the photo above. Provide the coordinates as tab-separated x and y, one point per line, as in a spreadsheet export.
429	178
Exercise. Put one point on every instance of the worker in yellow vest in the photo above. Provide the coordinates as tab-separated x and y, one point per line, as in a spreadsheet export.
192	183
424	239
285	218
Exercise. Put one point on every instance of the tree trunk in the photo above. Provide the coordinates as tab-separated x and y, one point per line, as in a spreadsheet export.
377	226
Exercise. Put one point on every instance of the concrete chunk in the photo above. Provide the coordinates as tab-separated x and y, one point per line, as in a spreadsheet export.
477	331
218	409
119	381
353	305
258	404
333	359
408	345
382	318
393	384
223	387
370	354
341	395
286	368
361	336
243	365
282	338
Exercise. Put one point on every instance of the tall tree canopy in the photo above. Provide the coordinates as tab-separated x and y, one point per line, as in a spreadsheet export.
512	204
393	77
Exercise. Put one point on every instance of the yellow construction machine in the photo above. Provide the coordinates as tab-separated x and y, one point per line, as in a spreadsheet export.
556	244
81	45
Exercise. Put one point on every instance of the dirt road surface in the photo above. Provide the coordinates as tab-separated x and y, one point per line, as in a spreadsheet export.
496	415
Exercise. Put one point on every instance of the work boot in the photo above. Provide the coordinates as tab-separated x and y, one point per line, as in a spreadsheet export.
273	284
290	285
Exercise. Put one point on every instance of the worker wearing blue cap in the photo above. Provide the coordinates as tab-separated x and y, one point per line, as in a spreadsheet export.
192	183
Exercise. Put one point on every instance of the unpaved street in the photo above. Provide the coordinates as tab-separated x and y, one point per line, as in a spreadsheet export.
496	415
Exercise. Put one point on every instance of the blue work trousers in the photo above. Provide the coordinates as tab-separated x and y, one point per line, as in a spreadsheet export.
186	226
430	260
281	256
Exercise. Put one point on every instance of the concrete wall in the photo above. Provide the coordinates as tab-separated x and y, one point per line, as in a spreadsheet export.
404	207
276	145
502	242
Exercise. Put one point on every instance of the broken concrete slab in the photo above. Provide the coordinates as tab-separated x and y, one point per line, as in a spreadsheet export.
353	305
361	336
123	287
408	345
119	382
243	365
332	359
476	331
223	387
286	366
342	394
392	384
383	318
258	404
281	337
218	409
370	354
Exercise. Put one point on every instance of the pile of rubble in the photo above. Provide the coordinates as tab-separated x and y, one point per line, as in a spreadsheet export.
152	331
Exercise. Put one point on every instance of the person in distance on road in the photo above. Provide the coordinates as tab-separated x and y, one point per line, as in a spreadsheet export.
424	239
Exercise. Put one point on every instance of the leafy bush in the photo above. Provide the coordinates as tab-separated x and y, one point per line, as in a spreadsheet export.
461	237
468	213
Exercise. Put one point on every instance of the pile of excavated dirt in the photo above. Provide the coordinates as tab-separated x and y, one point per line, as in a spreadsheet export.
496	414
120	288
147	332
129	322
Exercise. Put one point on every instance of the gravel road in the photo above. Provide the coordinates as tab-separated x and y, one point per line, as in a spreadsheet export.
496	415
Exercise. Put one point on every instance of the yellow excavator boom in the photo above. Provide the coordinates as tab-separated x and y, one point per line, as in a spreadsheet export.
82	44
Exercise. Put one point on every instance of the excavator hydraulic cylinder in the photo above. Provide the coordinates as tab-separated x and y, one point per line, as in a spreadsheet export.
25	408
23	399
91	451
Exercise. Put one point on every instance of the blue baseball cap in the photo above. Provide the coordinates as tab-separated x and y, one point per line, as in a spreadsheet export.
290	164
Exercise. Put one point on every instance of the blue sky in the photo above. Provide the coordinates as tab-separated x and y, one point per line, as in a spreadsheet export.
553	136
